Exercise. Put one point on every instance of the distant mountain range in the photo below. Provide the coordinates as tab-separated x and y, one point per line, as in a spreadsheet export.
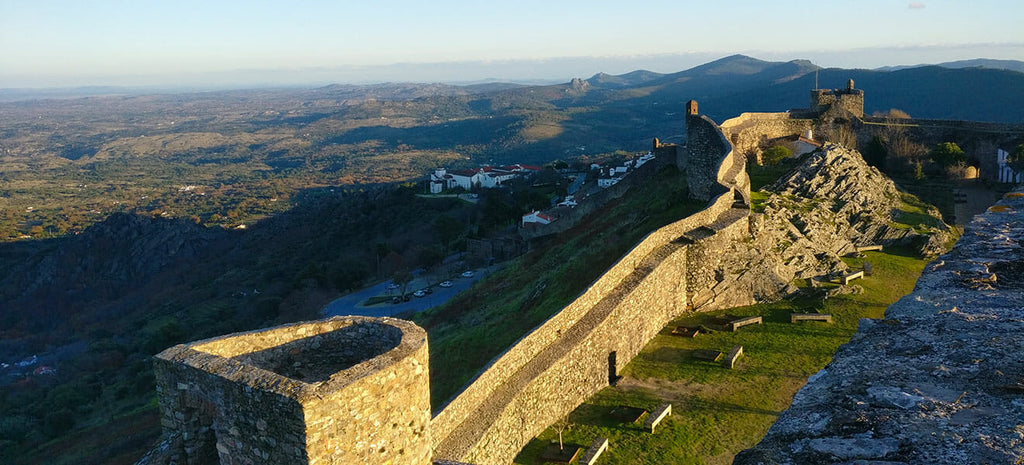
983	90
1010	65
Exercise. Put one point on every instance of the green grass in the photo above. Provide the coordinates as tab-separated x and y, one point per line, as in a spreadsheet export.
718	412
763	175
757	200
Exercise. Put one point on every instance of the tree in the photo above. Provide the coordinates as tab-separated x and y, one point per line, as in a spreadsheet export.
382	251
842	134
402	278
448	229
561	425
947	154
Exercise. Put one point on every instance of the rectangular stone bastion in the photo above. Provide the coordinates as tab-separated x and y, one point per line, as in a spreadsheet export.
345	390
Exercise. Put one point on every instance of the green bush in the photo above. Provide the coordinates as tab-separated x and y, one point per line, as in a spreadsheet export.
947	154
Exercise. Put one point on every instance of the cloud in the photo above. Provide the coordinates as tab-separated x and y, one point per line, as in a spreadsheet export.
916	6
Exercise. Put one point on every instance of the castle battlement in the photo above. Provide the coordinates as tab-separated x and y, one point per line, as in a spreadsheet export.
848	99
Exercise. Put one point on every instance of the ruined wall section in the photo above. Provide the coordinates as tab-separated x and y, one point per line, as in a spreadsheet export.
939	380
337	391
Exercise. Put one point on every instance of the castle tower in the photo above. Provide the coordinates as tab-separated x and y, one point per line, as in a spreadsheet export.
691	108
337	391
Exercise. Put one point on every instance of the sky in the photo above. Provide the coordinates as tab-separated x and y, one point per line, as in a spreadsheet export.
48	43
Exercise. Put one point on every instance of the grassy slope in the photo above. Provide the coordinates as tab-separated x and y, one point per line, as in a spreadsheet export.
719	412
479	324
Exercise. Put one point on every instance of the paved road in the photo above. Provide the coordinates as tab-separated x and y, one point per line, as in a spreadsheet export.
351	304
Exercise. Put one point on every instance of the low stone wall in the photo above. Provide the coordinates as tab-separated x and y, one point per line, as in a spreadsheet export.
972	126
248	397
939	380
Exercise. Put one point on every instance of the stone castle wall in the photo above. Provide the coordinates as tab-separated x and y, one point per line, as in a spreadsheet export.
850	100
571	356
337	391
706	148
749	132
355	390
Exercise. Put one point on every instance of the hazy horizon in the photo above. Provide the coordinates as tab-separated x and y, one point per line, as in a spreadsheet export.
232	44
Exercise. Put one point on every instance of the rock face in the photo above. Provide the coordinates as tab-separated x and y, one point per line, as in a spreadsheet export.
840	202
828	205
122	250
939	380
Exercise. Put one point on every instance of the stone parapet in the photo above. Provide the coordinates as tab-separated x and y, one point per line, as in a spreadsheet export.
336	391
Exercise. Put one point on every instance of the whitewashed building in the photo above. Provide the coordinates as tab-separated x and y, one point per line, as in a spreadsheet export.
1006	173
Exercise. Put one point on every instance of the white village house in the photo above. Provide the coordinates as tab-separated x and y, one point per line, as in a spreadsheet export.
612	175
537	217
486	177
1006	173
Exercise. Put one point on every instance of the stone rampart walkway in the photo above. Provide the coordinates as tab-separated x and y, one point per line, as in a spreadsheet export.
457	444
467	434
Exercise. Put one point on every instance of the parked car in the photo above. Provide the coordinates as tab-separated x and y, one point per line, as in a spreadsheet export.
396	300
445	284
419	293
427	290
467	274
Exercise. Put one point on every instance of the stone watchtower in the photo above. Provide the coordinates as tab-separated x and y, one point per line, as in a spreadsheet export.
838	100
338	391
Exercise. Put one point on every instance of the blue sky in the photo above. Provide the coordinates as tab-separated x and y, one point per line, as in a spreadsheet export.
146	42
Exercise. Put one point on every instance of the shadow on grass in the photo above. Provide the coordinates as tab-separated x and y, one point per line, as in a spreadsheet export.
706	405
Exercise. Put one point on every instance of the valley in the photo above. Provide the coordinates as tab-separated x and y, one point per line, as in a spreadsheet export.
133	223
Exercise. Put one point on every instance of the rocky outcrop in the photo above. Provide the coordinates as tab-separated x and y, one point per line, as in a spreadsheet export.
939	380
829	204
839	202
122	250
